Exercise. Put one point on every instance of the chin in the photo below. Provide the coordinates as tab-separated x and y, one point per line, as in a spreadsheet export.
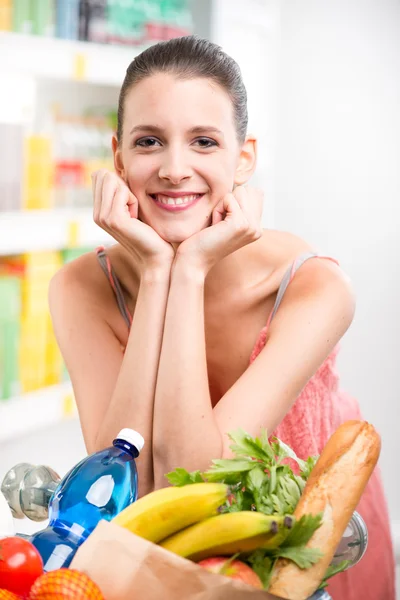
178	233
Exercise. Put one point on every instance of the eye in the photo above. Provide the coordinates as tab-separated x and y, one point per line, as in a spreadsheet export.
205	142
147	142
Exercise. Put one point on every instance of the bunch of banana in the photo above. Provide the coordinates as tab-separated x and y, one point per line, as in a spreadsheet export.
228	534
166	511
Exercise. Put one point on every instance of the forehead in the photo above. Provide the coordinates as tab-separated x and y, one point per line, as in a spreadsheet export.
165	99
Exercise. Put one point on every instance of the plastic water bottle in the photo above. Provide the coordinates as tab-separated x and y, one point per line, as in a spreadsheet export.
99	487
28	489
321	595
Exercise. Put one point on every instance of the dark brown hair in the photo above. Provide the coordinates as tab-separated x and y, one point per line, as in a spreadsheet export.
189	57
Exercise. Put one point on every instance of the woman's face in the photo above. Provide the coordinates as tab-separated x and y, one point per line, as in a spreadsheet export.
179	153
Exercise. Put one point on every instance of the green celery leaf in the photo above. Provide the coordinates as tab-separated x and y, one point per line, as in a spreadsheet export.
266	505
273	478
334	570
277	504
283	451
180	477
263	565
300	482
256	448
288	492
301	555
255	479
309	464
229	470
303	530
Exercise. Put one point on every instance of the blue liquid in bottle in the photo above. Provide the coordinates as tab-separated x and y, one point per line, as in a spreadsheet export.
99	487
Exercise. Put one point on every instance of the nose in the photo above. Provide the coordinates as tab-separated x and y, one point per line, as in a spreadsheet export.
175	167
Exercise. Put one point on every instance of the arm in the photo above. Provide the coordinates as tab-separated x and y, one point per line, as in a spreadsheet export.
310	322
112	390
115	390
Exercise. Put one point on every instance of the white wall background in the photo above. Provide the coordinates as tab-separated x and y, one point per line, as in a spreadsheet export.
338	181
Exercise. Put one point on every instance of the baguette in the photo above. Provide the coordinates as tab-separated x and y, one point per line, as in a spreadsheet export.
334	488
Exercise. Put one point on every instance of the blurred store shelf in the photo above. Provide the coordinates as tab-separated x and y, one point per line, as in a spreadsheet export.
35	411
38	230
54	58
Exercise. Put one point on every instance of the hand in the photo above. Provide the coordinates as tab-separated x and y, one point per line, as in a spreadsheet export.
116	211
236	222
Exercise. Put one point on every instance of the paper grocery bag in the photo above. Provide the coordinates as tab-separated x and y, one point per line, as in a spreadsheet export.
127	567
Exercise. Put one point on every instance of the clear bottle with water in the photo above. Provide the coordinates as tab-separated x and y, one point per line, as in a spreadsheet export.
98	487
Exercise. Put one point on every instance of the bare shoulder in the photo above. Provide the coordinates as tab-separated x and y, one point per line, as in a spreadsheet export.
81	287
282	247
319	277
81	277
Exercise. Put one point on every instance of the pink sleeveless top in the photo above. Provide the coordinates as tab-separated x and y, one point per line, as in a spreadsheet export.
318	411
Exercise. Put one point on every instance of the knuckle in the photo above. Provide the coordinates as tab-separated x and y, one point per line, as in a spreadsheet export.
102	219
257	233
113	222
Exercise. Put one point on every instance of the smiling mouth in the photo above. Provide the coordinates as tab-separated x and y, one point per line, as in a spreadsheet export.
177	203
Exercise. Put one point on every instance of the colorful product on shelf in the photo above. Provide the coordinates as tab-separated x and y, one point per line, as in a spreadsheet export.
10	299
11	165
22	16
38	173
39	358
43	17
99	487
5	15
133	22
29	355
81	145
67	19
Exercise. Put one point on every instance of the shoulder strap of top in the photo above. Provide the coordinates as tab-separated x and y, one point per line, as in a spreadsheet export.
288	276
105	264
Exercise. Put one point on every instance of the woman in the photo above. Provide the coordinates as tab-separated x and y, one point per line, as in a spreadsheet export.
176	341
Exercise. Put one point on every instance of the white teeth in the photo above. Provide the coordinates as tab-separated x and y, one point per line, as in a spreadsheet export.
175	201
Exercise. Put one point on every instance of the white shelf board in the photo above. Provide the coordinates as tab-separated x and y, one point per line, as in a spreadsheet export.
35	411
38	230
53	58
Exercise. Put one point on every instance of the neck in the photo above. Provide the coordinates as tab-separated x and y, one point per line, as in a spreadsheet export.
228	273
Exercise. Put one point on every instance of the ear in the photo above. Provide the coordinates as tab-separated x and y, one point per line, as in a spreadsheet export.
247	161
118	162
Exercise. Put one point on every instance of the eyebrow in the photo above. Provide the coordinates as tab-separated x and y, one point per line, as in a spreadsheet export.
197	129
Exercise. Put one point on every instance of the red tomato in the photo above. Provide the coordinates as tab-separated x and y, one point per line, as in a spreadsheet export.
20	565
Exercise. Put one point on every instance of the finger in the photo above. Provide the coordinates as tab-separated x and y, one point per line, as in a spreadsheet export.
124	207
108	190
218	213
133	205
97	184
240	194
225	209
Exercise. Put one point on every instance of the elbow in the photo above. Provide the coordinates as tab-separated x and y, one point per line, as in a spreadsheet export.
167	458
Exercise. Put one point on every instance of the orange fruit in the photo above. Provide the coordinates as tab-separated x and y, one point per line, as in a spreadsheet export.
65	584
6	595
